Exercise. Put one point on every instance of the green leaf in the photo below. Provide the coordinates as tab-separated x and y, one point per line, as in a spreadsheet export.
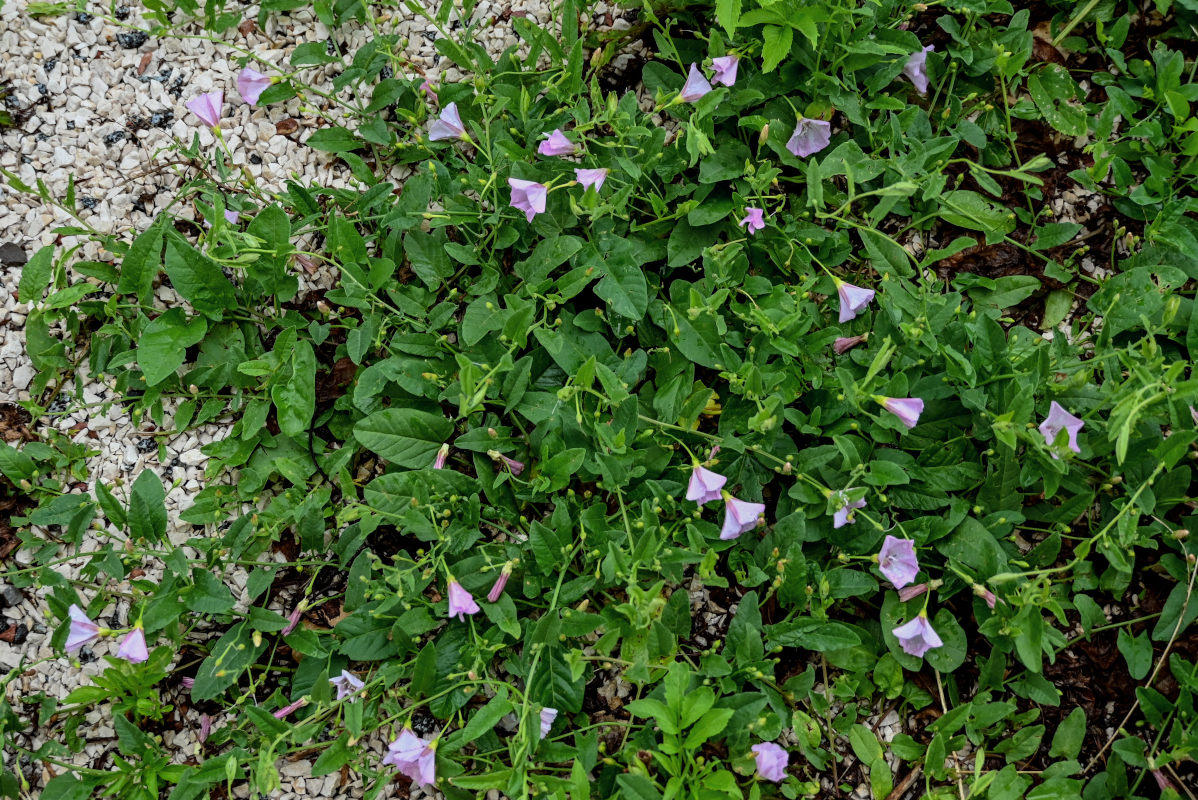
334	140
1070	735
426	253
637	787
36	276
951	654
776	46
812	634
229	658
163	344
198	278
147	507
295	398
142	262
967	209
404	436
487	717
1137	651
624	288
727	13
1058	97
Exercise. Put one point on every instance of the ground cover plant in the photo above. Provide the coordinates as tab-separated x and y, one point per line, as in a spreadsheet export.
670	425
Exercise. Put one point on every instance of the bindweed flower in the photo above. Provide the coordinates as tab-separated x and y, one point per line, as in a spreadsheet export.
430	92
188	683
852	299
286	710
754	219
414	757
448	125
1059	419
528	196
205	728
548	715
695	87
912	592
771	761
907	409
250	85
810	136
133	648
208	108
346	684
442	455
514	466
231	217
705	485
500	582
739	516
1162	780
293	618
987	595
461	602
725	69
917	636
843	344
591	177
555	144
843	515
916	69
82	631
897	561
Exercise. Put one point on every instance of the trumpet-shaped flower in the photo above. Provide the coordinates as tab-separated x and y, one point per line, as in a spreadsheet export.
429	91
810	136
696	85
250	85
442	455
907	409
739	516
912	592
1061	420
705	485
286	710
843	515
500	582
448	125
754	220
414	757
548	715
461	602
528	196
852	299
916	69
843	344
987	595
771	761
591	177
917	636
208	107
897	561
82	631
555	144
133	648
725	69
346	684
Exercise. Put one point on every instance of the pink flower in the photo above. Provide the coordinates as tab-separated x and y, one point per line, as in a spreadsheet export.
907	409
725	69
293	619
431	93
843	515
346	684
1162	780
448	126
1059	419
591	177
912	592
843	344
188	683
528	196
231	217
810	136
285	710
414	757
442	455
555	144
771	761
705	485
852	299
500	582
251	84
753	219
987	595
916	69
548	715
208	107
514	466
461	602
133	648
205	728
696	85
82	631
897	561
917	636
739	516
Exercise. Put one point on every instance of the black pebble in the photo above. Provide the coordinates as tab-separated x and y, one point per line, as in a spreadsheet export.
12	254
122	13
88	202
49	64
386	72
86	656
11	595
162	119
146	444
114	137
255	158
81	16
131	40
20	634
42	89
41	137
70	125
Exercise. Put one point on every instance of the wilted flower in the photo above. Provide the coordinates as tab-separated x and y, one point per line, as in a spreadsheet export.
293	618
548	715
843	344
912	592
514	466
346	684
771	761
705	485
917	636
907	409
448	126
555	144
285	710
987	595
843	515
916	69
413	757
528	196
427	88
852	299
754	219
739	516
188	683
591	177
461	602
1162	780
133	648
250	85
897	561
82	631
696	85
725	69
205	728
442	455
500	582
810	136
208	107
1059	419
